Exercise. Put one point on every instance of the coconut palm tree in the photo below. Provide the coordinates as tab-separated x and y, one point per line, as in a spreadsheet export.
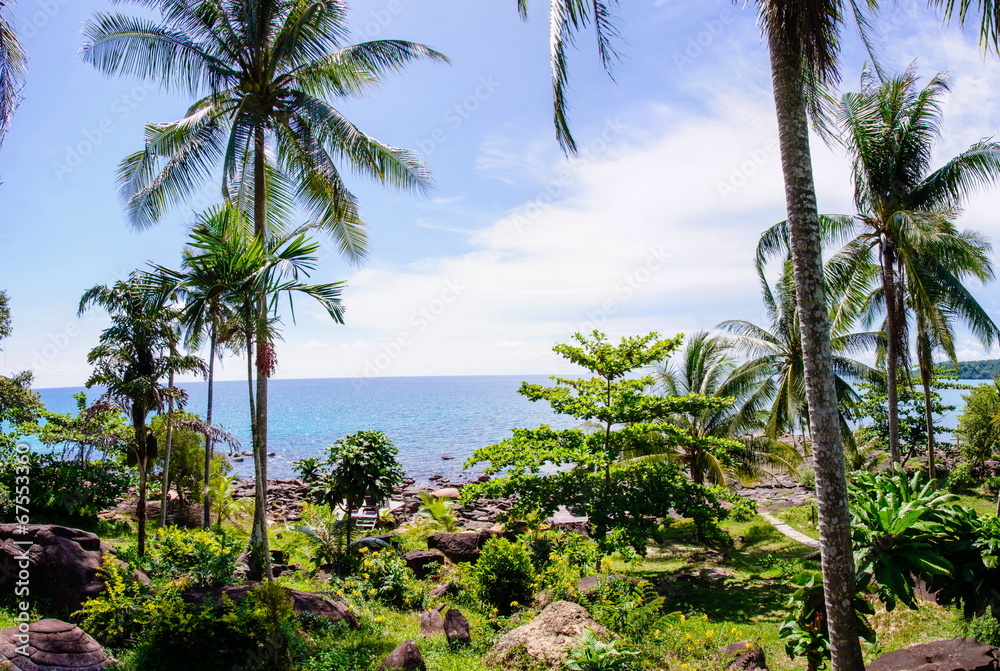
227	262
13	64
131	361
775	354
267	71
707	367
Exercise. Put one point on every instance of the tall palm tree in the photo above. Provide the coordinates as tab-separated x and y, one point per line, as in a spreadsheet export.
267	70
227	262
707	367
131	361
13	65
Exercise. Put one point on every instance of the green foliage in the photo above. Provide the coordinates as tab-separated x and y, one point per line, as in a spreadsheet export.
358	465
206	558
973	546
629	608
961	479
805	630
740	509
594	655
67	490
872	411
504	575
978	425
440	510
308	468
985	369
187	453
326	530
984	628
382	576
807	478
898	525
584	470
99	427
116	615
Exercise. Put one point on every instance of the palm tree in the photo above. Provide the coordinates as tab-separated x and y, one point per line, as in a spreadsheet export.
228	263
269	69
707	367
131	361
776	355
13	64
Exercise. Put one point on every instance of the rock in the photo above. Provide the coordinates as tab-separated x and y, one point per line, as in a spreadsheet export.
458	547
957	654
431	622
483	478
63	562
446	493
333	608
456	627
406	657
447	457
743	656
443	590
547	639
247	453
52	645
424	562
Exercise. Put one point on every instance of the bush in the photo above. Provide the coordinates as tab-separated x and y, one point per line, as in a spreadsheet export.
630	609
503	575
807	478
984	628
382	575
961	480
67	489
594	655
207	558
760	532
115	617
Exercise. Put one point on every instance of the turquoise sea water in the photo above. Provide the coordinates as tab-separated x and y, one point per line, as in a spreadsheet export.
426	417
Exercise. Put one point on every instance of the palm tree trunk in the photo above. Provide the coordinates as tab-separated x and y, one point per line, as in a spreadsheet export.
892	349
142	462
206	497
260	564
807	261
166	456
924	358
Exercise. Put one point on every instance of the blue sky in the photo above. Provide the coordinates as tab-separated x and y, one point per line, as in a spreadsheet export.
652	228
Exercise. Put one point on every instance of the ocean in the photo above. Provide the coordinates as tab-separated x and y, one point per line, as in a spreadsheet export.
427	418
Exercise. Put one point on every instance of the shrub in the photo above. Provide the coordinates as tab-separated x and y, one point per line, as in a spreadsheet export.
382	575
630	609
759	532
594	655
68	489
984	628
207	558
807	478
961	479
503	575
115	616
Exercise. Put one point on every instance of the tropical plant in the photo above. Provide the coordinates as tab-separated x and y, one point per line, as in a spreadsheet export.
979	423
228	509
206	558
904	226
131	361
245	270
358	465
106	429
308	468
900	524
269	70
777	358
326	529
116	614
594	471
440	510
13	65
593	654
504	575
707	367
872	416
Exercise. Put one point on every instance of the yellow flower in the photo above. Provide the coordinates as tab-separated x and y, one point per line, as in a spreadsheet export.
380	619
514	604
373	591
710	633
362	550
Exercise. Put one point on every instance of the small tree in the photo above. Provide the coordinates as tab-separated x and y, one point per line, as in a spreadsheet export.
358	465
979	423
595	469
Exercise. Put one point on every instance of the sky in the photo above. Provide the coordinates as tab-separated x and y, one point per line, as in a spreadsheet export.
652	227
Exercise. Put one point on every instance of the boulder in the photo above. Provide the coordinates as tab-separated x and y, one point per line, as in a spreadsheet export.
62	562
51	645
743	656
431	622
545	640
333	608
458	547
424	562
456	627
406	657
957	654
446	493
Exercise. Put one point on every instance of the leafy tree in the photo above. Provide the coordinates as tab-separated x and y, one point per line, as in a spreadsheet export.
106	429
131	362
268	71
589	470
979	423
189	433
873	415
707	367
18	404
358	465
